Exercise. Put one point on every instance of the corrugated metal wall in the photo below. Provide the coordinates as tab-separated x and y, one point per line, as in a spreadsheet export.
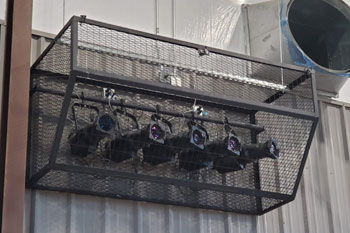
322	203
323	200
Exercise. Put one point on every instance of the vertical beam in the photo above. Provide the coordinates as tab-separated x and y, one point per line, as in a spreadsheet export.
14	113
256	166
345	128
68	93
74	43
2	160
312	133
314	94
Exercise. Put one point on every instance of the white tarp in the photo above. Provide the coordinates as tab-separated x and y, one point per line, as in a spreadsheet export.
216	23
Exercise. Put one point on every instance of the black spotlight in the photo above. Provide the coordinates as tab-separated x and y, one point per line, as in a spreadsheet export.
85	140
269	149
125	146
226	154
159	149
122	147
106	123
191	145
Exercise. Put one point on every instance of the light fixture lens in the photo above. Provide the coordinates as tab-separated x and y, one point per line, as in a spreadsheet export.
233	144
198	138
274	148
106	122
156	132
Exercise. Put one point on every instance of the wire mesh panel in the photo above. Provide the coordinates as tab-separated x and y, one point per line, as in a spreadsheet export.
126	114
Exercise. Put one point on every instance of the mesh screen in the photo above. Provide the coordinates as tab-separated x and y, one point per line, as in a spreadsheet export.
146	191
57	60
292	135
171	169
94	137
119	53
43	121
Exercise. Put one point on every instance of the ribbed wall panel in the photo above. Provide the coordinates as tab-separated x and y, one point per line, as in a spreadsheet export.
322	203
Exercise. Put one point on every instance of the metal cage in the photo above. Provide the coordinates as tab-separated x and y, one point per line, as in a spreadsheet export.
92	70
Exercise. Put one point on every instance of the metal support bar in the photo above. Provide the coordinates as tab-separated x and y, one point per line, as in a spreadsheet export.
40	73
290	86
303	161
68	93
192	45
311	135
253	127
346	126
62	119
74	44
32	181
254	140
276	206
170	181
314	93
49	47
158	87
135	198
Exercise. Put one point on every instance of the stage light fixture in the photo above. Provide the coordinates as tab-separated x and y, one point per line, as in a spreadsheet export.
151	139
226	153
124	145
85	140
269	149
159	149
106	123
192	155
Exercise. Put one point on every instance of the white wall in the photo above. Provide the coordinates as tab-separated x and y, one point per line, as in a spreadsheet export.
344	94
2	9
47	15
208	22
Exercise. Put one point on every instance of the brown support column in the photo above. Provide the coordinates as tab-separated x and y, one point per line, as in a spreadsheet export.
14	113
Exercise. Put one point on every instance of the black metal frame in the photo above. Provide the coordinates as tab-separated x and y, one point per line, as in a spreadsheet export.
84	75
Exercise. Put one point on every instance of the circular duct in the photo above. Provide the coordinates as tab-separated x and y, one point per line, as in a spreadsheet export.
322	31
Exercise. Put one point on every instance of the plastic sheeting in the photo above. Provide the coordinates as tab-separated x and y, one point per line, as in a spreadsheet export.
216	23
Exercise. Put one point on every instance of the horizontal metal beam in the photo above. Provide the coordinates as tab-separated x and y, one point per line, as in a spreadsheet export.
32	180
256	128
135	198
290	86
170	181
158	87
191	45
275	206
